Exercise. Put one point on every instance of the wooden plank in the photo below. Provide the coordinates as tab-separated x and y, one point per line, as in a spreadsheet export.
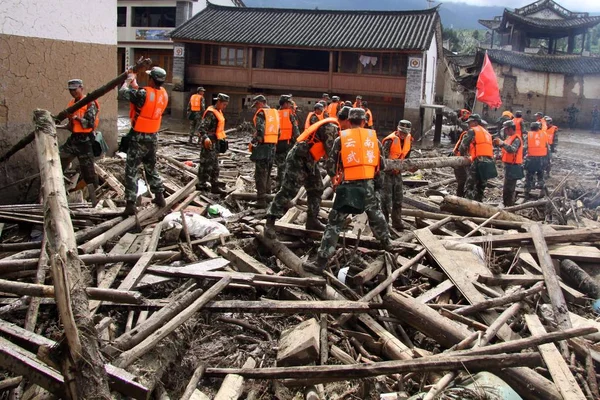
559	370
435	292
577	253
291	306
246	263
515	239
506	280
110	180
423	270
135	274
462	276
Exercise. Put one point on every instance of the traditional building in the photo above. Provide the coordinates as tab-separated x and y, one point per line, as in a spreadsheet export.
42	47
387	57
538	55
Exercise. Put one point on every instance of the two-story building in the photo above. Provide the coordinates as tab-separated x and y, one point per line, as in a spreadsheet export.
388	57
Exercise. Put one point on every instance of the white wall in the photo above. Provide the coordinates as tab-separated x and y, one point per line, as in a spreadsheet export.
431	72
61	20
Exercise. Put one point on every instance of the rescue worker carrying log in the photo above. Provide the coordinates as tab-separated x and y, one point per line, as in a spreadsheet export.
356	159
302	168
535	152
288	133
266	124
512	157
195	111
315	116
213	141
396	146
552	133
82	124
147	106
477	142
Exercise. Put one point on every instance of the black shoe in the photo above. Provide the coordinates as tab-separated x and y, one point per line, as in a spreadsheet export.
217	190
313	224
317	267
129	209
159	200
202	187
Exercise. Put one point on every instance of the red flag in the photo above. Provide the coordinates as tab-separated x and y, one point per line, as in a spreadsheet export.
487	85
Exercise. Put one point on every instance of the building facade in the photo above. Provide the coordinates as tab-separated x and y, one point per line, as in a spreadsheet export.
42	48
246	51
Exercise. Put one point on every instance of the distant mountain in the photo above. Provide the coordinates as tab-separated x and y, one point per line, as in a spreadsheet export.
455	15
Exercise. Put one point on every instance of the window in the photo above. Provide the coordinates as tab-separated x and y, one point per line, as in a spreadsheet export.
222	55
373	63
121	16
153	17
296	59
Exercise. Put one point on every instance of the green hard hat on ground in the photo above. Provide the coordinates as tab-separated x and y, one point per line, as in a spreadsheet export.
158	74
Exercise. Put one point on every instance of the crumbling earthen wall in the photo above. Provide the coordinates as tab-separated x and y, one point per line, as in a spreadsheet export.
42	47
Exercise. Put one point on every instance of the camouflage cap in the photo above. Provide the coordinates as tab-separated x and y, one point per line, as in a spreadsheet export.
258	99
201	89
509	125
285	98
356	113
347	104
548	119
74	84
335	98
158	74
535	126
474	117
222	97
365	103
344	113
325	95
404	125
359	97
539	114
518	113
319	105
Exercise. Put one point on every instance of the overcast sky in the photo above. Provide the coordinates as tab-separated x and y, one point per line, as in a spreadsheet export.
572	5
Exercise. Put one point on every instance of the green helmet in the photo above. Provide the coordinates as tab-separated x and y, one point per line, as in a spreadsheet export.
158	74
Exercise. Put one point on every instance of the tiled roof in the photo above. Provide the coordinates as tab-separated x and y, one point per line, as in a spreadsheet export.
326	29
567	23
461	60
490	23
566	65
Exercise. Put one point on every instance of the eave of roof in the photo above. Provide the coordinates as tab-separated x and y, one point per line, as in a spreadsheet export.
565	65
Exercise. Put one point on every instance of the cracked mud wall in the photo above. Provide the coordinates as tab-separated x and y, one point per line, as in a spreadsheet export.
41	48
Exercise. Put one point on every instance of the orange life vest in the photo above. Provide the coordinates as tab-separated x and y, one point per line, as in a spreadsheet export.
513	158
150	115
457	145
310	114
76	126
537	144
317	149
285	125
370	121
356	105
398	151
542	121
271	124
220	132
360	153
332	109
550	132
481	146
196	102
518	123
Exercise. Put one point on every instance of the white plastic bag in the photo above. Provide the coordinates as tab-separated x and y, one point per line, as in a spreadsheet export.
197	225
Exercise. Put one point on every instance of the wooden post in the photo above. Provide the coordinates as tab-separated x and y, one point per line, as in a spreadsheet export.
437	134
81	364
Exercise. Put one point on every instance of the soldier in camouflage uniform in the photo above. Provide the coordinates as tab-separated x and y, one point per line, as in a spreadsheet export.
195	116
79	145
302	169
535	163
142	144
284	145
369	188
483	167
208	169
263	150
391	198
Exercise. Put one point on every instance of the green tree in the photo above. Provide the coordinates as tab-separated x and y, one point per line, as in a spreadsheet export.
476	34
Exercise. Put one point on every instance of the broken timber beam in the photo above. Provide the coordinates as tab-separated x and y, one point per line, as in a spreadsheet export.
516	239
425	163
462	206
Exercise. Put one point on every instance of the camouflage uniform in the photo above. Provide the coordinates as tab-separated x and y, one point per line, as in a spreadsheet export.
460	173
208	169
534	168
262	155
282	150
372	206
142	150
79	145
512	174
315	118
391	197
302	169
474	186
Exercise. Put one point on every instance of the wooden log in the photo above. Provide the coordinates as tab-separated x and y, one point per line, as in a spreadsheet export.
500	301
233	384
369	273
141	216
529	204
559	369
291	306
328	373
517	239
84	379
129	356
510	280
425	163
10	383
191	386
40	278
462	206
578	278
557	299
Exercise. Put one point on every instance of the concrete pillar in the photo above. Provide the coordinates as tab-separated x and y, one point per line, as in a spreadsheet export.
414	91
183	12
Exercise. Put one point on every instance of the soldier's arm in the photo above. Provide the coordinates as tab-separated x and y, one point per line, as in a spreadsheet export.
328	134
513	147
189	106
524	143
314	119
465	144
208	124
295	129
202	105
89	118
137	97
556	137
260	127
378	180
333	157
387	146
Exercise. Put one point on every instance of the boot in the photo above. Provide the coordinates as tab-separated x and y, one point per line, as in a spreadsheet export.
313	224
216	189
270	227
386	244
159	200
317	268
92	193
129	209
397	223
202	187
261	202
